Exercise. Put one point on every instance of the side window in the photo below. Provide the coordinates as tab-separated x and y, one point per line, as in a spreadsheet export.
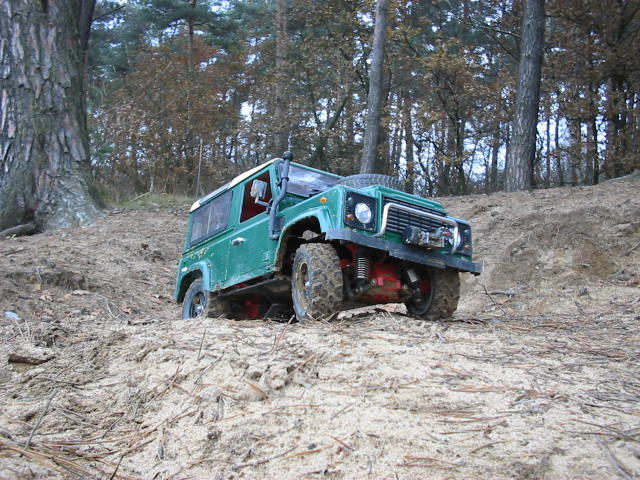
200	223
249	206
211	218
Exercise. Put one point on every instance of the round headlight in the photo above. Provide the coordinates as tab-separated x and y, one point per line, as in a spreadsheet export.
363	213
458	239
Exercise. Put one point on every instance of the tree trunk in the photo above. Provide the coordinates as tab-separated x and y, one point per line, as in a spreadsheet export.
507	147
617	141
374	105
495	150
557	152
518	175
460	181
547	178
407	125
634	121
592	163
280	130
575	150
44	151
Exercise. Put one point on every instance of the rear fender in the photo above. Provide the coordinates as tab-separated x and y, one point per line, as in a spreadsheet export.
191	273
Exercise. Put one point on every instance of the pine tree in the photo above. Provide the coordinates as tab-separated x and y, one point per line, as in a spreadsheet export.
44	160
520	166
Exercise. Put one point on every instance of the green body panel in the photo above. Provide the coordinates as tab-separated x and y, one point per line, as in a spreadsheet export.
245	251
328	213
379	191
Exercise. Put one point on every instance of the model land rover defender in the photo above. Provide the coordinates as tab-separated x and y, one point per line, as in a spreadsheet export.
285	235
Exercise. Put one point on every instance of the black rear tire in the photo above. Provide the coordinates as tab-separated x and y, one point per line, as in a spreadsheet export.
441	300
196	301
316	281
363	180
199	302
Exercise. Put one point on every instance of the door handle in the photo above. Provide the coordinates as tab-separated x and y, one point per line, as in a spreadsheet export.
237	241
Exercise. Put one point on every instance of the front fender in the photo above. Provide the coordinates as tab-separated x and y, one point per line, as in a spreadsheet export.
187	274
320	213
318	220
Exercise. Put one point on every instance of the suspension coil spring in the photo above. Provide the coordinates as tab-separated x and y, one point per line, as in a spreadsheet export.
362	267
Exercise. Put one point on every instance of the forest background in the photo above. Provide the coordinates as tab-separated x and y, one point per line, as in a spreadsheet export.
184	93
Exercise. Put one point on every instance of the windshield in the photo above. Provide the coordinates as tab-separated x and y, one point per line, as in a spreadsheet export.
307	182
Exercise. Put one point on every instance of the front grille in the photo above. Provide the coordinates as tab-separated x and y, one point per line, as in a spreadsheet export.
399	219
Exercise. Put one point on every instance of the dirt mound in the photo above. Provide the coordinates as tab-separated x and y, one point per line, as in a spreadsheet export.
535	377
549	247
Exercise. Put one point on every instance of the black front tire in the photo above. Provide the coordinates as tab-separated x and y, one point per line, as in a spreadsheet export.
441	299
316	281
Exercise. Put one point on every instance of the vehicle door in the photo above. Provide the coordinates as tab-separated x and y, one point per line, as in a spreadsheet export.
251	251
209	237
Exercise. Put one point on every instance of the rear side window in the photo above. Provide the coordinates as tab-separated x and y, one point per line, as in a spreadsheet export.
211	218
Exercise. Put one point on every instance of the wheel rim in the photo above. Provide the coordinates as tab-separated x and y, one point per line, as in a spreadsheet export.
421	306
302	284
196	308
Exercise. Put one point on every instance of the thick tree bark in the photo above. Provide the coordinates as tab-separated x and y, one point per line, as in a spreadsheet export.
519	173
44	151
374	104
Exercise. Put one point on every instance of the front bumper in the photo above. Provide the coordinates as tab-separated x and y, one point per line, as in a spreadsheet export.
411	253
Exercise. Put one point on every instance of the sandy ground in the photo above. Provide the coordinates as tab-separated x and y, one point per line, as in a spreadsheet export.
537	375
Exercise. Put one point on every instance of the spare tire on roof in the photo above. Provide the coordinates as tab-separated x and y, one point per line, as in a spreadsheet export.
363	180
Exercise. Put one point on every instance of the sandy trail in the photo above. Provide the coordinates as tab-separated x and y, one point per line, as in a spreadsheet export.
536	376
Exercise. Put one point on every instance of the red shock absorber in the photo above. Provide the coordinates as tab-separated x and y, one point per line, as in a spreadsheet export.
363	265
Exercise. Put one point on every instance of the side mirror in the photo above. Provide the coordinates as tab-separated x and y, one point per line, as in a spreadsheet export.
258	191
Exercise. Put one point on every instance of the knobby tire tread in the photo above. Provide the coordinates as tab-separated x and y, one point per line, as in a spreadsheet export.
325	280
364	180
446	293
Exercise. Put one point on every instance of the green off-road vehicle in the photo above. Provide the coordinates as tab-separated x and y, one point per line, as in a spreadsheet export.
285	236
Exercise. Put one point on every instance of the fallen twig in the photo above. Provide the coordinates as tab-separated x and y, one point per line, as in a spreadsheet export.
117	466
41	417
620	468
25	229
412	461
631	249
201	343
308	452
490	444
261	460
47	460
279	337
342	410
136	198
255	387
295	370
510	293
621	435
493	301
343	444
